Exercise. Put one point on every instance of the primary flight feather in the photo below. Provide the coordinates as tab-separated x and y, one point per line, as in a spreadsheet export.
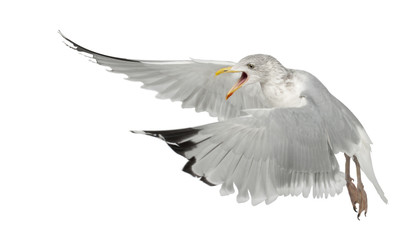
278	131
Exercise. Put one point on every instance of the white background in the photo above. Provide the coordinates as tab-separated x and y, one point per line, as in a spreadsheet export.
70	168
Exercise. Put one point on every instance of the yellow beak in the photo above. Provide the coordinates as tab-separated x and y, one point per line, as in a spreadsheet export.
236	86
225	70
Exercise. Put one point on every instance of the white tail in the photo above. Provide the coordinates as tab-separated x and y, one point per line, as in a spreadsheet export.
363	154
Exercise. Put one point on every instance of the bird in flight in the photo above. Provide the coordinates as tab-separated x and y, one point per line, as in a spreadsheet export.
278	130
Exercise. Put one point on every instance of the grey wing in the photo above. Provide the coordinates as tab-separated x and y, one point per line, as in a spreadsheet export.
191	81
270	152
347	135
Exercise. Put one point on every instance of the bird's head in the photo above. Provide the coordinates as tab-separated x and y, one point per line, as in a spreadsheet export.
255	68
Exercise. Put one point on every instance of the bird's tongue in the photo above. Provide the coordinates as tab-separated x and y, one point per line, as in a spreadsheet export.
238	84
242	79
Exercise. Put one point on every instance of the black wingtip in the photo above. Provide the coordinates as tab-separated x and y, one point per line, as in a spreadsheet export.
79	48
65	38
205	180
188	167
76	46
137	131
176	141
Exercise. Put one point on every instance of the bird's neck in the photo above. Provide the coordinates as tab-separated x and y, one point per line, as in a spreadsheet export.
284	92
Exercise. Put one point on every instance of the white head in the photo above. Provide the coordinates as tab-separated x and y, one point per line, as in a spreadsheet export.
255	68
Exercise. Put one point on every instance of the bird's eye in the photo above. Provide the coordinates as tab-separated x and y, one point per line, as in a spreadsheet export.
250	65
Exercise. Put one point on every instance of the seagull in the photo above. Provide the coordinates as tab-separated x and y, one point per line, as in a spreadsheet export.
278	132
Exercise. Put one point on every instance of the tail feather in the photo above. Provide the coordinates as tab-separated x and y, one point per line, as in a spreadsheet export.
364	157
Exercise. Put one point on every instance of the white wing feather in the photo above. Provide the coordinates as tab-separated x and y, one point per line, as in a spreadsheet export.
191	81
268	153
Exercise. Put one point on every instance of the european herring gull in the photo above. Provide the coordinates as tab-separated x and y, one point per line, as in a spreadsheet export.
276	136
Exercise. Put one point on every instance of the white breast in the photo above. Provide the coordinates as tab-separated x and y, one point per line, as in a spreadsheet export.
284	93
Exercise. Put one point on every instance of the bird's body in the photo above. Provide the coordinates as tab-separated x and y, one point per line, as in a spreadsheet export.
277	135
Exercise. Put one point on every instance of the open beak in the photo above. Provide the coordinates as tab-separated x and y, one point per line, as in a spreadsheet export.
238	84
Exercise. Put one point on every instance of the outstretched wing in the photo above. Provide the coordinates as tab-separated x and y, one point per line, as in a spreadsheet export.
269	152
191	81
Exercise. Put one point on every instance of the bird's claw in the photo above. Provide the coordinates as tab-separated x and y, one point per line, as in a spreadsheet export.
358	196
362	201
353	193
